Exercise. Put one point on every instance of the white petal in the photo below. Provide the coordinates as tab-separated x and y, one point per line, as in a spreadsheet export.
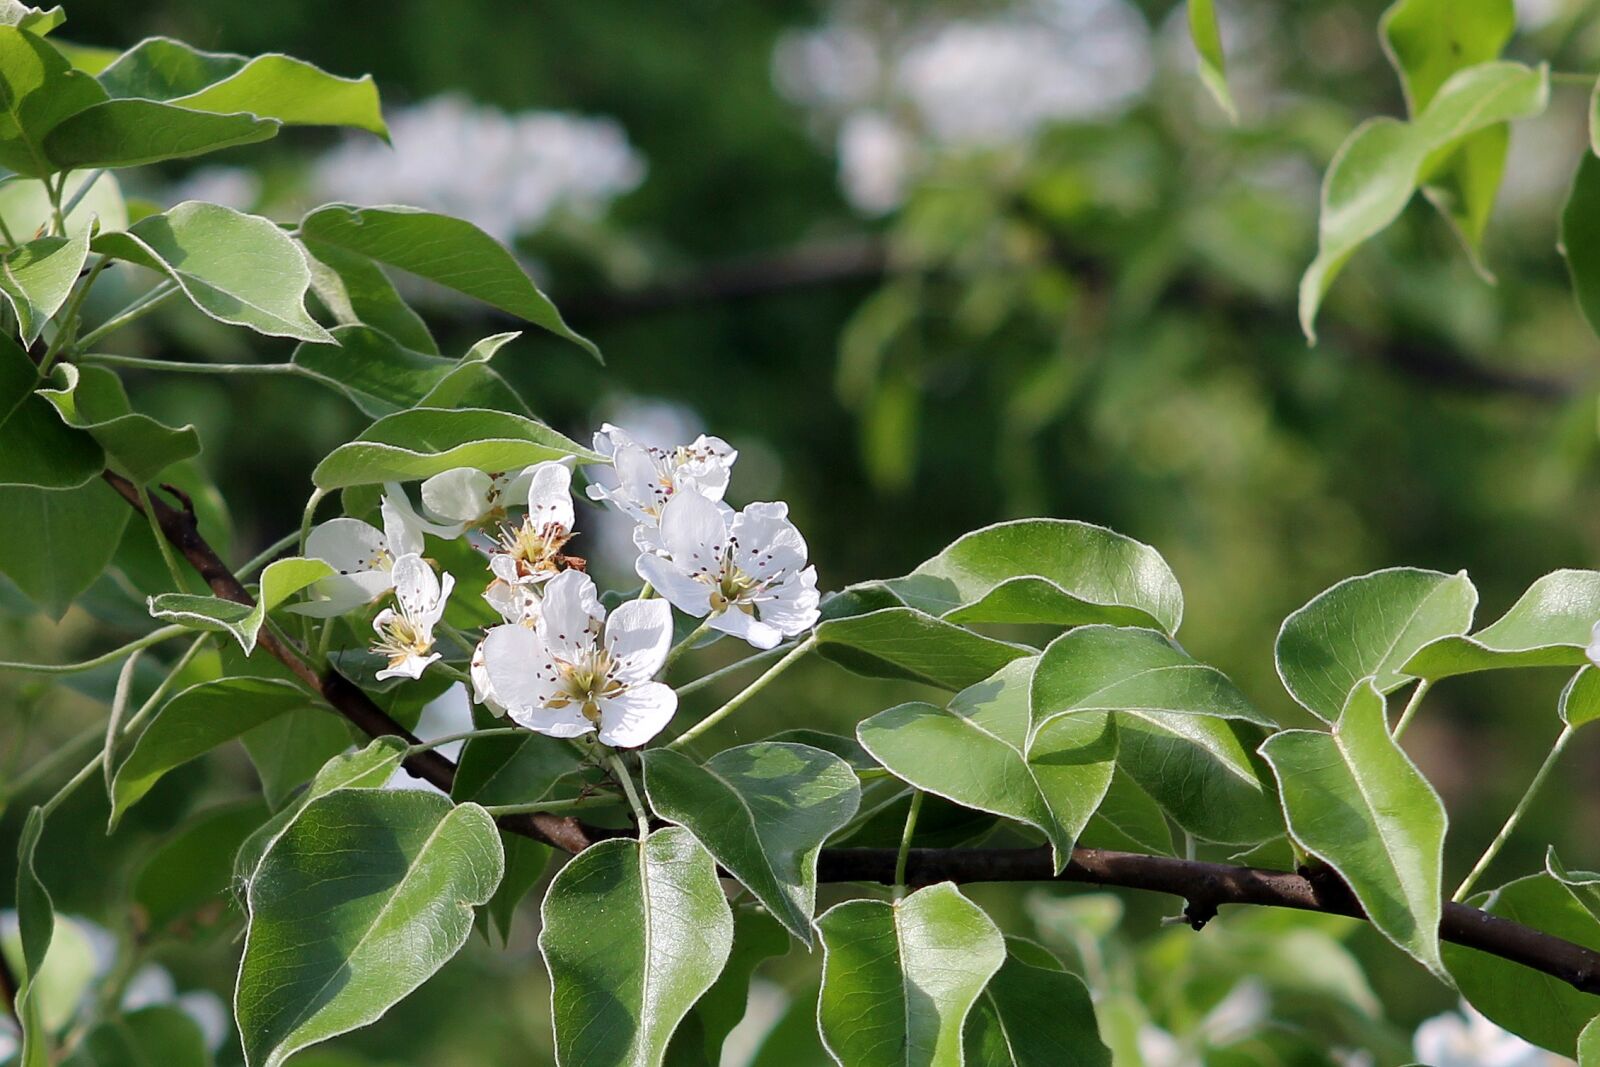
610	438
791	605
349	546
1593	651
430	618
739	624
482	689
410	667
638	636
415	586
550	496
640	491
344	593
514	601
404	527
460	495
554	722
518	668
767	543
570	615
694	533
637	714
682	592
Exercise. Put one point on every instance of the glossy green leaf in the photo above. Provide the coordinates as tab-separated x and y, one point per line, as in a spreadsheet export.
1128	820
38	91
360	900
1580	698
1355	800
416	444
279	581
473	383
1535	1006
292	91
36	448
237	268
1589	1039
898	979
1580	237
1034	1014
92	399
1050	571
1208	50
134	133
974	752
906	643
193	722
450	251
288	750
193	870
1548	626
160	1034
621	987
1380	165
1204	772
36	278
374	372
763	811
367	768
36	921
757	936
1368	626
356	292
62	540
524	769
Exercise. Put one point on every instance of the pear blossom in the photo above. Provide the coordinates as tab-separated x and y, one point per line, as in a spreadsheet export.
405	635
747	574
1469	1039
482	690
530	553
469	497
363	555
576	671
647	477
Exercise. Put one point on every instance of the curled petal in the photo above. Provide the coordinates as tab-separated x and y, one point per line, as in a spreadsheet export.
550	495
553	722
482	688
747	627
349	546
767	544
459	495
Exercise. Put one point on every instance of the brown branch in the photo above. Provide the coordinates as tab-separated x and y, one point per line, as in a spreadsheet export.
1205	887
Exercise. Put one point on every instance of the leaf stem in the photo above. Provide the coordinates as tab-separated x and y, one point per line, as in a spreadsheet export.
119	708
547	806
154	637
646	591
67	319
309	514
142	305
461	640
620	770
1572	77
905	843
683	646
745	694
738	665
167	555
466	735
452	673
1515	817
106	359
1411	707
78	194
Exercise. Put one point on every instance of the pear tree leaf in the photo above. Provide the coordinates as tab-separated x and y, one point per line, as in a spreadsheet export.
1208	50
901	642
279	581
92	399
133	133
757	936
61	540
39	90
1548	626
1580	236
36	278
1033	1013
356	292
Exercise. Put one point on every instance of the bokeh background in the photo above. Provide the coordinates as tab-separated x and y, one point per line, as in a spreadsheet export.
928	266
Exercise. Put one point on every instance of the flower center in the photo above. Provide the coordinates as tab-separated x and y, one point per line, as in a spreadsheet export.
584	681
401	639
535	549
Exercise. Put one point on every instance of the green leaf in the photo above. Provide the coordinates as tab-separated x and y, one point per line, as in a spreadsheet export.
374	372
472	383
1584	885
974	753
92	399
37	277
1128	820
1380	165
356	292
524	769
906	643
1045	571
1535	1006
133	133
898	979
757	936
281	580
360	900
1208	49
621	987
38	91
61	540
1580	698
1580	237
36	922
194	868
237	268
368	768
1204	772
193	722
1589	1042
763	811
1368	626
416	444
1355	800
526	862
1034	1016
288	750
1548	626
450	251
36	449
162	1033
36	20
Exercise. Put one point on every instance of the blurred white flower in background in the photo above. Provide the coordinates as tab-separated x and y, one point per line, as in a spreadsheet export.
508	173
893	96
1467	1039
232	187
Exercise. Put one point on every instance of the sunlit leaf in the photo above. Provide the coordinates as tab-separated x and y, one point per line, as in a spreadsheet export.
92	399
356	292
38	91
1548	626
279	581
1208	49
132	133
36	278
910	644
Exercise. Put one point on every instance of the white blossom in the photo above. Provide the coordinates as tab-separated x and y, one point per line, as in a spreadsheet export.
405	633
529	553
1468	1039
646	477
1593	651
482	689
363	555
748	575
563	678
469	498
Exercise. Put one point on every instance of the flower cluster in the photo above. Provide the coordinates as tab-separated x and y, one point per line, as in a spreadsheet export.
558	662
